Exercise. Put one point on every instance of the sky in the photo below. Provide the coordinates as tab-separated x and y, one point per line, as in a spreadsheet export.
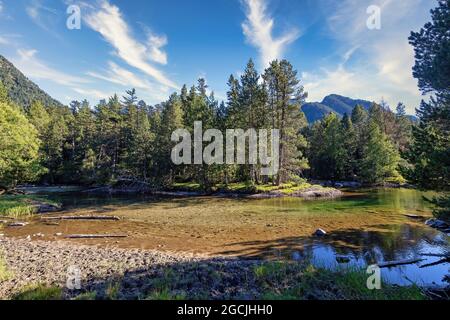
157	46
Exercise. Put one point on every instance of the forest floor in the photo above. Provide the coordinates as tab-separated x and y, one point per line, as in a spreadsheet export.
43	270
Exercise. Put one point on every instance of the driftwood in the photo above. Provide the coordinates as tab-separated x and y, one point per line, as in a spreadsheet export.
114	218
95	236
438	255
414	216
445	260
388	264
17	224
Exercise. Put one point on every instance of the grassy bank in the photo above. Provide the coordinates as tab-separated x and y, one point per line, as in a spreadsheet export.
266	281
248	188
21	205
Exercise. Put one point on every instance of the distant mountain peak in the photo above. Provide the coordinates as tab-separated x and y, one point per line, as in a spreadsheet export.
22	90
315	111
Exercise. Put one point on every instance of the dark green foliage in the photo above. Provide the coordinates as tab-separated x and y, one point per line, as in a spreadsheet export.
125	139
21	90
432	49
356	147
430	150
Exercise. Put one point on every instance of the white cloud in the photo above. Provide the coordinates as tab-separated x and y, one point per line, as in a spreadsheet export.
3	40
258	30
43	16
1	6
126	78
93	93
109	22
155	44
32	67
386	70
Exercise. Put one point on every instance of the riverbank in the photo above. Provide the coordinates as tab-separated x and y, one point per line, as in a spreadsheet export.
234	190
25	205
39	270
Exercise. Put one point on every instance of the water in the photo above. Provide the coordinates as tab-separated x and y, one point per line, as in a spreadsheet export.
364	228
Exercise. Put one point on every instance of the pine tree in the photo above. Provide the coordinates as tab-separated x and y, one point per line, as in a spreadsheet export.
286	96
380	158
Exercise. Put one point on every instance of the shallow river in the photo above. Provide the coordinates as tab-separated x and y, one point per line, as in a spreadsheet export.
363	228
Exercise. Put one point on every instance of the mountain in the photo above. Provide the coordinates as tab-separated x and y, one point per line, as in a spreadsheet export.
340	105
20	89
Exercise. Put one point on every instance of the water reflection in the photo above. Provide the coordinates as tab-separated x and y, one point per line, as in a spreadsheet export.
395	238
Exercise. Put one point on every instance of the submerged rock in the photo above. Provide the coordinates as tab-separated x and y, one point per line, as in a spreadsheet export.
436	223
320	233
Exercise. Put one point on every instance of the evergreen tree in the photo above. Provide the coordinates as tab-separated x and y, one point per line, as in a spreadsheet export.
432	51
380	158
286	96
19	148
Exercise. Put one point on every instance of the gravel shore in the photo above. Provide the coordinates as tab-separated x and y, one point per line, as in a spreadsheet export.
136	273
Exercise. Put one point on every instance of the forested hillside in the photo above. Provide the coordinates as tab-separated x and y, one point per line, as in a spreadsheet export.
333	103
124	138
20	89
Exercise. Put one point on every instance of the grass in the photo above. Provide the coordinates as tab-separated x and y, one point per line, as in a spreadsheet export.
5	274
112	290
265	281
19	205
291	281
90	295
247	187
40	292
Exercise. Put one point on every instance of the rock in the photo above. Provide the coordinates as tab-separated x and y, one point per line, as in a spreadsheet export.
436	223
320	233
296	256
58	234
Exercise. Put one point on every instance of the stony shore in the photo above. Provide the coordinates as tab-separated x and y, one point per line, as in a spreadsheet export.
136	273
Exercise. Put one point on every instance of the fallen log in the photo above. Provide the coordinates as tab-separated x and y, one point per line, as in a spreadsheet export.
414	216
114	218
438	255
442	261
389	264
17	224
95	236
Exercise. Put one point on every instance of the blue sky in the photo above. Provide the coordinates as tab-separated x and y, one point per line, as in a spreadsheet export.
157	46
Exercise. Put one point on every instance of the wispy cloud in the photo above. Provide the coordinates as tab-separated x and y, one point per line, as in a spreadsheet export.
32	67
155	45
93	93
43	16
107	20
1	6
258	30
388	58
126	78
